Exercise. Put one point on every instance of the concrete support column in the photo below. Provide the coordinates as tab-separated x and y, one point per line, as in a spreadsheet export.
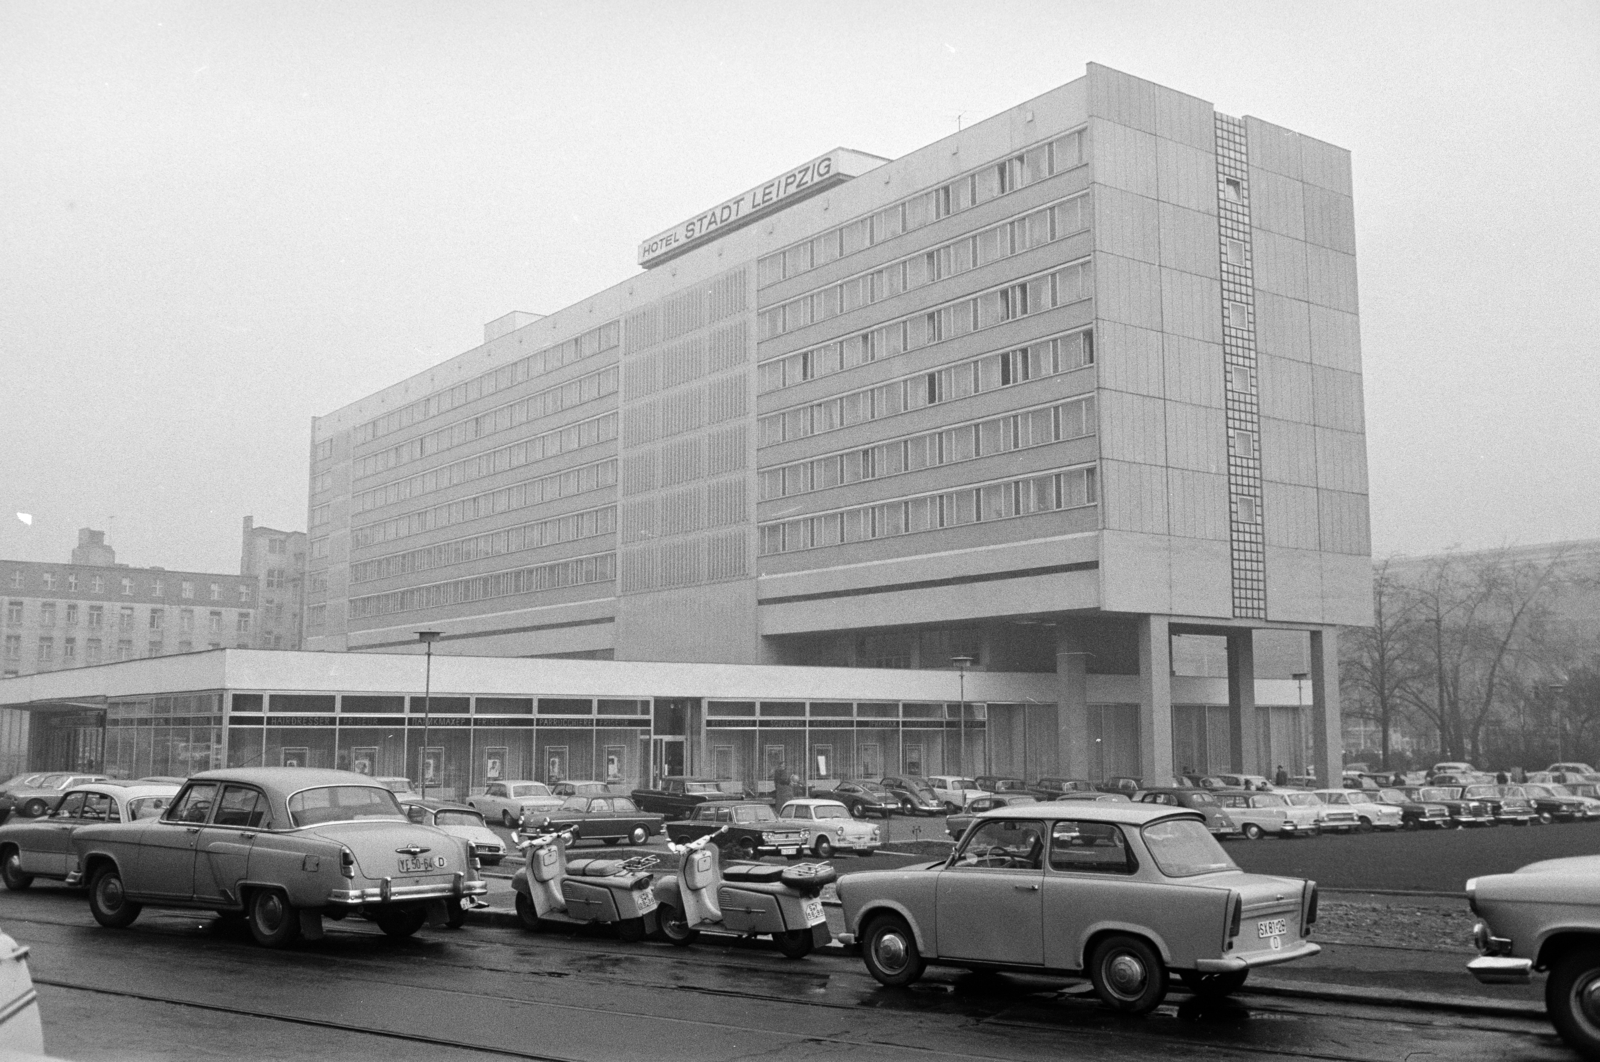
1243	728
1072	707
1327	730
1155	700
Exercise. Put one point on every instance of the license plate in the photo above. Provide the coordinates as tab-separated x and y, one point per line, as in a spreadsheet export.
814	913
421	864
788	851
1272	927
647	900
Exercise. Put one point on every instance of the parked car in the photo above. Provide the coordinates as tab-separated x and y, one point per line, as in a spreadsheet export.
752	829
1106	798
829	827
1177	902
282	846
1002	785
1050	788
461	821
1259	814
1554	805
41	847
1217	819
1452	767
1573	768
1505	803
1120	784
37	794
508	802
1414	814
1545	916
400	786
571	788
862	797
1330	818
916	796
599	818
1463	811
954	790
1591	805
956	825
1371	813
678	795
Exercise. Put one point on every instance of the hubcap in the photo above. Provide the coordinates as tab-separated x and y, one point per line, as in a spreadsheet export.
890	951
271	910
1588	999
13	865
1126	974
111	893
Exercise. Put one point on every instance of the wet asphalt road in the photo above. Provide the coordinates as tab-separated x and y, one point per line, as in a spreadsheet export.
184	987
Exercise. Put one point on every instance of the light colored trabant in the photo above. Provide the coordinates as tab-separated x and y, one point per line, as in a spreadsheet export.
510	802
956	791
829	827
42	847
1545	916
1371	813
1125	892
283	847
459	820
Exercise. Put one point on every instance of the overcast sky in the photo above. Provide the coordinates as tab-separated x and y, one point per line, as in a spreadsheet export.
218	220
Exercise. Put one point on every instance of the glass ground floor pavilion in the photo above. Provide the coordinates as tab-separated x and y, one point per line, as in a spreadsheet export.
477	720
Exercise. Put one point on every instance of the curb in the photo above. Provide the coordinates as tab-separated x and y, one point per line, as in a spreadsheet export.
505	917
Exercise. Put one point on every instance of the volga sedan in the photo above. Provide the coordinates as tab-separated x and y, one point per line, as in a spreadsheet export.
283	847
1125	893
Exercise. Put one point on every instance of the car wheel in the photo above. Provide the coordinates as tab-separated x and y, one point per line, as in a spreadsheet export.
1572	996
1545	818
456	915
507	821
906	807
1252	832
1213	985
1366	825
609	841
950	808
675	927
639	835
34	808
401	923
528	915
108	903
857	811
272	920
823	848
573	837
11	871
794	943
1408	824
890	951
745	848
1128	975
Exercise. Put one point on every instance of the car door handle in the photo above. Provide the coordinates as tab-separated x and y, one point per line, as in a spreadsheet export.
191	829
247	836
1026	888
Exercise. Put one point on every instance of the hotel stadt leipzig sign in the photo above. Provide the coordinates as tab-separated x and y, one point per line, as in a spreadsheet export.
818	175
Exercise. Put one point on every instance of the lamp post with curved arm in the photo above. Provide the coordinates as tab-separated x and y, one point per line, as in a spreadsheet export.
427	638
962	663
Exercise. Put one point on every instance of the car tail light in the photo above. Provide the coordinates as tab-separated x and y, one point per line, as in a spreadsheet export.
1235	919
1311	909
347	863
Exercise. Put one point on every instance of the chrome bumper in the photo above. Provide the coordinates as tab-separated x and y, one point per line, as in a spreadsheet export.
1234	963
1500	970
389	893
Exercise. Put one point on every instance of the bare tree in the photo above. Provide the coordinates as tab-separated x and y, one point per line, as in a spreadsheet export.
1380	663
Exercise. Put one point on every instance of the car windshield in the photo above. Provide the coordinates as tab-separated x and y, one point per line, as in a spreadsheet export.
452	817
530	789
1303	800
754	813
1440	793
1481	791
830	811
149	807
1537	790
52	781
1561	790
1183	848
1391	796
963	783
341	803
874	788
701	788
1013	801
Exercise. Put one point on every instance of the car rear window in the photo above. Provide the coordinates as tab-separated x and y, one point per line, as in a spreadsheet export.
1183	848
458	818
342	803
531	789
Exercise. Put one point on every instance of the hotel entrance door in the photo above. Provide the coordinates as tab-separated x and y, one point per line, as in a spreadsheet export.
666	758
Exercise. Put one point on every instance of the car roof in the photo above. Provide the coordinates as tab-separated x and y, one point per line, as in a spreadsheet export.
581	781
1122	812
287	778
438	805
814	802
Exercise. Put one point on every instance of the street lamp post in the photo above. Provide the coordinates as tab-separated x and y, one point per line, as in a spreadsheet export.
1556	689
1300	701
427	638
962	663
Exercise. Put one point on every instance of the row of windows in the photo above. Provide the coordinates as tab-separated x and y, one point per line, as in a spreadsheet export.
569	528
96	584
506	499
979	186
93	649
543	404
1037	360
1067	489
528	451
94	616
965	442
587	345
601	568
1041	227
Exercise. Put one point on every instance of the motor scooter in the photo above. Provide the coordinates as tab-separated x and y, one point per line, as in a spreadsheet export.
748	899
554	890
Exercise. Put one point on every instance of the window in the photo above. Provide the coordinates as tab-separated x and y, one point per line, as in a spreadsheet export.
97	584
97	616
157	619
1003	844
216	591
1239	379
47	580
47	614
274	578
275	545
72	613
127	585
155	649
240	807
1236	315
244	593
186	588
125	649
13	613
214	624
69	651
1245	510
186	620
16	578
13	647
1233	190
91	651
244	623
72	581
125	618
156	587
1233	251
1244	443
1090	846
194	804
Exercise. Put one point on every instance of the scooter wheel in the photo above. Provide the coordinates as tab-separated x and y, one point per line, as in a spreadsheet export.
674	927
794	943
528	915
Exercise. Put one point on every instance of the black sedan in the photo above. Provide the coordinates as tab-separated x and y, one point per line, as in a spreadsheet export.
1201	800
1505	803
1551	804
1414	814
957	824
1050	788
915	795
599	818
862	797
1463	811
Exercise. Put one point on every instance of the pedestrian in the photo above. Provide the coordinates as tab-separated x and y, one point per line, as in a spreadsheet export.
782	785
1502	778
1282	777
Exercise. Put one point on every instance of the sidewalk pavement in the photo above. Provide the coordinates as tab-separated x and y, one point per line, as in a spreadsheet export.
1430	978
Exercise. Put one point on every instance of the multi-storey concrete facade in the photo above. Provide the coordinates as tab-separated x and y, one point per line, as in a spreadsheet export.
1045	394
278	560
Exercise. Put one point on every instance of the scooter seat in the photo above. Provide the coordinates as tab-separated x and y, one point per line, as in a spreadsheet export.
754	872
594	868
